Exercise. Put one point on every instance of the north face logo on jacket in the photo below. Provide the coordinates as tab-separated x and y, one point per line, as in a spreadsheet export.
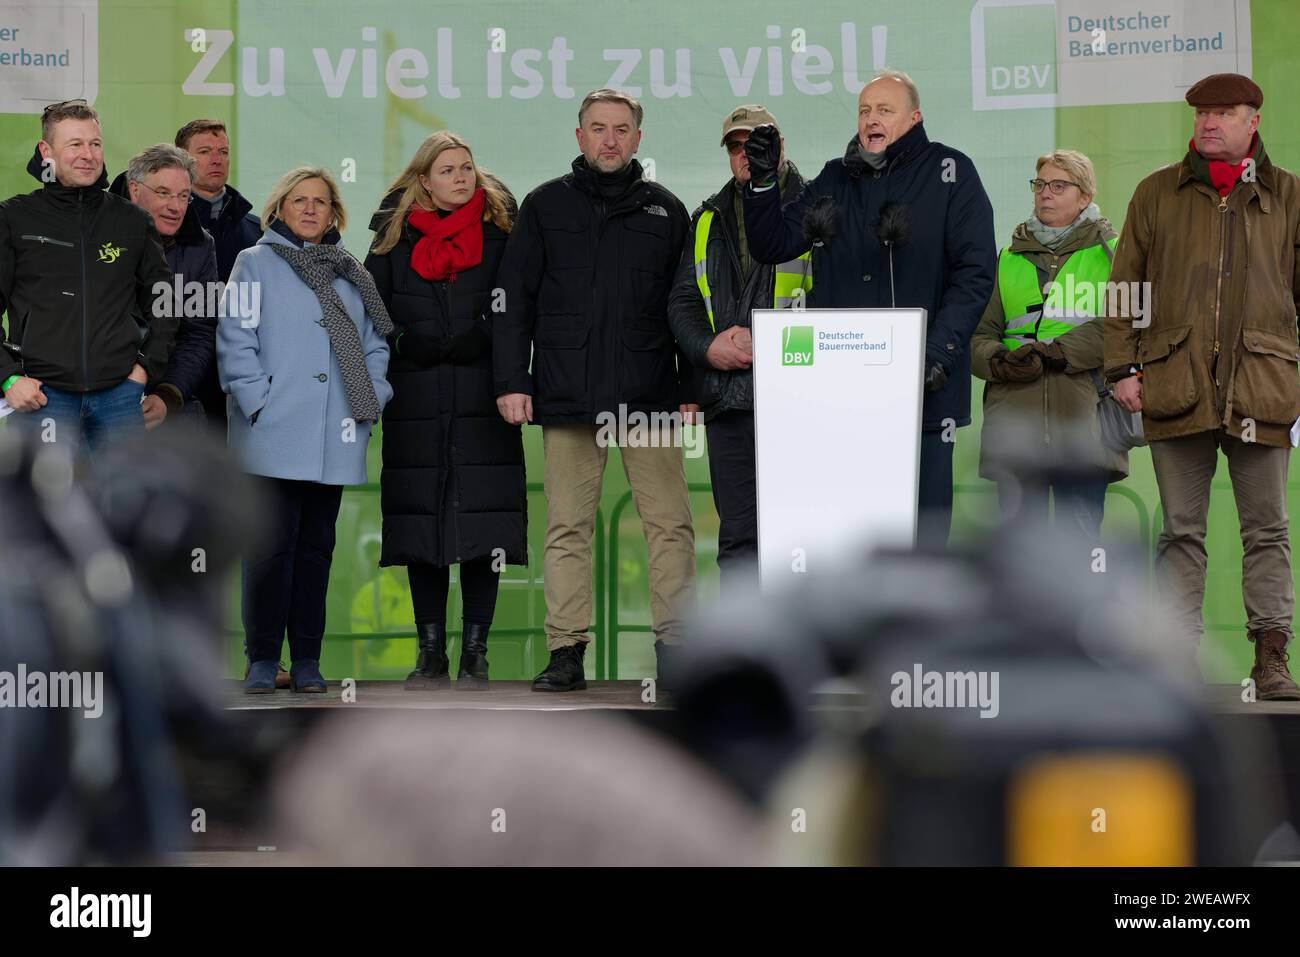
655	211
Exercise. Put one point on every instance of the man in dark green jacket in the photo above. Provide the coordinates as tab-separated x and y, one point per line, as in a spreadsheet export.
718	285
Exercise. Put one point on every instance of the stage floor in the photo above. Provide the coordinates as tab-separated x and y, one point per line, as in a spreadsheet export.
600	695
499	696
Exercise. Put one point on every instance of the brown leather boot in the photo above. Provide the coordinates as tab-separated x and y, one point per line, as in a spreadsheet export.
1272	677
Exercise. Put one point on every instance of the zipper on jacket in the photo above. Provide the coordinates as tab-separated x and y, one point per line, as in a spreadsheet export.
598	203
445	479
85	357
47	239
1218	281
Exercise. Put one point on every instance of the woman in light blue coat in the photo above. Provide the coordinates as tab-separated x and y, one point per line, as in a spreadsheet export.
302	353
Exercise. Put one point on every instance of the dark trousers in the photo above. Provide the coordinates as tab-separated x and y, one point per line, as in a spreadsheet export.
478	591
733	474
934	500
285	576
1079	503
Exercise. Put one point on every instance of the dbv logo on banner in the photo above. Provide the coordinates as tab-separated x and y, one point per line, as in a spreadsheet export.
1028	54
797	346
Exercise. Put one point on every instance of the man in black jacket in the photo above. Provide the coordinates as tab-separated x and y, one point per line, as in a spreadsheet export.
718	285
927	200
223	212
586	276
78	268
159	181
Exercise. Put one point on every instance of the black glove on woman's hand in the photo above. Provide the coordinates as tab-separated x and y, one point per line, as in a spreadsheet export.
467	346
418	349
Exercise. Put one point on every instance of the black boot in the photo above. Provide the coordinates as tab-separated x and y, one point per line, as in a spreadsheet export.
564	673
473	672
431	666
666	668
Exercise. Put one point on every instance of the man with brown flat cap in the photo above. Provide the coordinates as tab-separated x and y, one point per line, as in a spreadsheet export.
1210	357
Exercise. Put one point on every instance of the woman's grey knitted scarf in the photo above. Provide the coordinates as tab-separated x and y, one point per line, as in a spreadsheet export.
317	266
1053	236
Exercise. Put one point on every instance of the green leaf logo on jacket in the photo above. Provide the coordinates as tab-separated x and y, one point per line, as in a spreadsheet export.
108	253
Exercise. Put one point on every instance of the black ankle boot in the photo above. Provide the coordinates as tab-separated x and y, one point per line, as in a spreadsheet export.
473	671
564	673
431	666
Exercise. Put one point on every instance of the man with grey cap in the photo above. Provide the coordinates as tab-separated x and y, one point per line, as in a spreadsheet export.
1211	361
718	285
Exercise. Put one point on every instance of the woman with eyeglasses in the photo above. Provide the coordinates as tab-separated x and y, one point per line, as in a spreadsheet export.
453	486
1039	348
302	353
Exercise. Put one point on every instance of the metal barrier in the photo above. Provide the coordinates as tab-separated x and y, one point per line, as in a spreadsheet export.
607	552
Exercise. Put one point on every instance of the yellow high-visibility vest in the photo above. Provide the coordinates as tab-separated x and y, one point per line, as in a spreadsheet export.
791	276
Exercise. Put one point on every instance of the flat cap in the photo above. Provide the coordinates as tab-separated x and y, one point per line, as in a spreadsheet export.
1225	89
748	117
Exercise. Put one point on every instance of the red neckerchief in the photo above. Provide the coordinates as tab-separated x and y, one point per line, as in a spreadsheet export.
449	244
1223	175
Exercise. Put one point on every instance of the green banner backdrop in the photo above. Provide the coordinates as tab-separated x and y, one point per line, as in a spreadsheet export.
355	87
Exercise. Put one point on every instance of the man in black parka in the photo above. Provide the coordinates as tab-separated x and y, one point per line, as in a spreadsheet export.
586	277
929	200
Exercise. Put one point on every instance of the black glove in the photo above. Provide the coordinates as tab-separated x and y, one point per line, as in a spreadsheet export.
935	377
421	351
763	150
467	346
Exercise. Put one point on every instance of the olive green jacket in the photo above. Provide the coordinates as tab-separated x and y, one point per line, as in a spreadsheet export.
1058	400
1218	346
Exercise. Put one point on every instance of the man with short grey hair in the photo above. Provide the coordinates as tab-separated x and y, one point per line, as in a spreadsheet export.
160	181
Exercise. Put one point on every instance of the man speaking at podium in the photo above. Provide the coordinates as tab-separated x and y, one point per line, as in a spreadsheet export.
897	221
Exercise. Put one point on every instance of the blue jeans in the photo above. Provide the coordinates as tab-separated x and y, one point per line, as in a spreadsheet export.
1080	504
96	417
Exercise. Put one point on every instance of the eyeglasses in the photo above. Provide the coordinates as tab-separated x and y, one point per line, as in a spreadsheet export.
58	106
300	203
167	195
1058	186
735	147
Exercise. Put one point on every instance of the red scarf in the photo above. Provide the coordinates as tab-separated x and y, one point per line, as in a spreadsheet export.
451	243
1223	175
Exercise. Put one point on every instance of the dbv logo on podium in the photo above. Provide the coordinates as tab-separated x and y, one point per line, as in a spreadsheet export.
797	346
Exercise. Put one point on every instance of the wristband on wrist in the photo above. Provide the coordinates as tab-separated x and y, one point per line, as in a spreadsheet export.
10	381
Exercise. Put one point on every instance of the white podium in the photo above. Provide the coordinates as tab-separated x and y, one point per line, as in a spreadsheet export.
837	426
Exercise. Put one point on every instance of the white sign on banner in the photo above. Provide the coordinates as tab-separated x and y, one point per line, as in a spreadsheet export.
49	52
837	428
1029	54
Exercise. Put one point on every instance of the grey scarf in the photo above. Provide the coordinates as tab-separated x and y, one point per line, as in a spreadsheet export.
317	266
874	160
1053	236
